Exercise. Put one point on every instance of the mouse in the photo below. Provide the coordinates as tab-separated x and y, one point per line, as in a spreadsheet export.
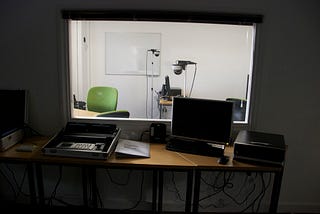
25	148
223	160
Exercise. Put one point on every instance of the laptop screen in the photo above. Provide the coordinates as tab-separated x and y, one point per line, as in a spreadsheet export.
12	110
202	119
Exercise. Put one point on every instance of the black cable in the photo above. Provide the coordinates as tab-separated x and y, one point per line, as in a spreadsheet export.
19	186
194	76
244	200
54	192
251	205
265	187
118	183
263	191
227	184
234	198
62	202
176	191
90	190
217	189
140	196
12	174
33	131
242	186
10	184
99	196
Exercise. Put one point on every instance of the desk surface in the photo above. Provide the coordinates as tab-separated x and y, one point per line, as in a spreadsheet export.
12	154
84	113
205	162
159	158
165	102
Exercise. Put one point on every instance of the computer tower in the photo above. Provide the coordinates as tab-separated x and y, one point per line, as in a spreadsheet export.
259	147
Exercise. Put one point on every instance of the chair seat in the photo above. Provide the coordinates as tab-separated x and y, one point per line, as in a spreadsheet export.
117	113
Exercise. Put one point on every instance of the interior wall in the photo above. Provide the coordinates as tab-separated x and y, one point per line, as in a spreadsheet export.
222	53
286	93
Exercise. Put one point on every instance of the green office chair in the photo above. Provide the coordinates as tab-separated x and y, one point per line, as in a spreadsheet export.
117	113
104	99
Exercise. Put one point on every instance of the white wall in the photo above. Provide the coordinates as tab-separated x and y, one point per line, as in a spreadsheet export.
287	88
222	53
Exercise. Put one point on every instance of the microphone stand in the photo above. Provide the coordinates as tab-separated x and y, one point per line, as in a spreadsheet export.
154	53
152	87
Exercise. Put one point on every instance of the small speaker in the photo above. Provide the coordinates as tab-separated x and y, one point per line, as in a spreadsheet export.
158	133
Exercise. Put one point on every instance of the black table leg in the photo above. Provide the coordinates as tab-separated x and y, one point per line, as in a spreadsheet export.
160	197
154	190
196	191
32	188
189	191
276	191
85	186
40	184
93	177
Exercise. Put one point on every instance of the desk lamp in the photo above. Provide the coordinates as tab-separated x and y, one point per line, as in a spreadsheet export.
178	68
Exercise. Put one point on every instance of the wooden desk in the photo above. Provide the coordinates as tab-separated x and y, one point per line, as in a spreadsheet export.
204	163
163	102
160	161
84	113
13	156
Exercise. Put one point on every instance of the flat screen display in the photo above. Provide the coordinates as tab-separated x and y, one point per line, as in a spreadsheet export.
202	119
12	110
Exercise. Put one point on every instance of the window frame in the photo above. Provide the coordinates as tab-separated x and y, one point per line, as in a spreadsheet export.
150	15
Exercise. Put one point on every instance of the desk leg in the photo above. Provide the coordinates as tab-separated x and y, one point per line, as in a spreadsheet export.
189	191
85	186
196	191
93	177
276	191
32	188
160	197
40	184
154	190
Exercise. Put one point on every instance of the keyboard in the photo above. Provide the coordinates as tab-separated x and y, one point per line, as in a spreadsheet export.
195	147
78	146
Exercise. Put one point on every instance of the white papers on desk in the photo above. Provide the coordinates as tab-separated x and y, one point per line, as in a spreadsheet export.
132	148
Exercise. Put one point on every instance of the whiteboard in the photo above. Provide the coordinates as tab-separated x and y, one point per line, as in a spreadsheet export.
128	53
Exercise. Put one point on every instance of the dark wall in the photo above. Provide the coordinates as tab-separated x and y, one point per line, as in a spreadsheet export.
288	78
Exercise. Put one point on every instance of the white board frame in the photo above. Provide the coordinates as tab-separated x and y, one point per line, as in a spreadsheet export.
127	53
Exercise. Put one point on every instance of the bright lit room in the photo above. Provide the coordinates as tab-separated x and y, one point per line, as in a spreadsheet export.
121	54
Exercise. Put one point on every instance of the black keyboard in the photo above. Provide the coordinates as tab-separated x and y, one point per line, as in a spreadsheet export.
195	147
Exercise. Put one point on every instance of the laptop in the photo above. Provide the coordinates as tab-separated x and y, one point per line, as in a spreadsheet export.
84	140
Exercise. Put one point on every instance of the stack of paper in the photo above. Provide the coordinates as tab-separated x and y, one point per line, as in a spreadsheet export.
132	148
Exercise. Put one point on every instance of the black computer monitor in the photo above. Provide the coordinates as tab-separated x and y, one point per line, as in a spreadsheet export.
202	120
12	110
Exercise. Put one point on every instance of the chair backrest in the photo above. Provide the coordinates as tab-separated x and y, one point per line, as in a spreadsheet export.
239	108
102	99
